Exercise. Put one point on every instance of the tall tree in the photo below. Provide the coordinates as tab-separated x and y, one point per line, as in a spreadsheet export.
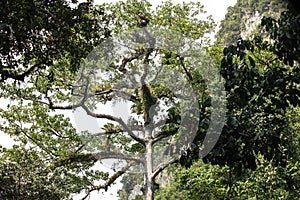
62	85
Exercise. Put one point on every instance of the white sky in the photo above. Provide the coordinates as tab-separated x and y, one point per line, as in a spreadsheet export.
216	8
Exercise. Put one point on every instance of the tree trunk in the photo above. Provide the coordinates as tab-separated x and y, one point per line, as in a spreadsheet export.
149	167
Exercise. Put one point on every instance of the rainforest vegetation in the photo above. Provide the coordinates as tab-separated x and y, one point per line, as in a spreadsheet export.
50	51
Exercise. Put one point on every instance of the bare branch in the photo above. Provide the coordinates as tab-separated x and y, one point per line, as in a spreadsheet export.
121	67
162	166
94	157
111	155
116	119
131	97
110	181
19	77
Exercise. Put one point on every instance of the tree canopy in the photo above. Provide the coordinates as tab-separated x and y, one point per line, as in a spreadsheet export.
63	56
61	84
257	154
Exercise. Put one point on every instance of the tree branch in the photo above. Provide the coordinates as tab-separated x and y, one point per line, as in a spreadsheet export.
165	134
19	77
96	135
162	166
121	67
94	157
190	77
116	119
111	180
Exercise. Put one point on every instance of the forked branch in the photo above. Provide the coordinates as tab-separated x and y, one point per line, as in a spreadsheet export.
110	181
116	119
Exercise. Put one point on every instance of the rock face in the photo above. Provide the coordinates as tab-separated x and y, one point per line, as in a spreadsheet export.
242	18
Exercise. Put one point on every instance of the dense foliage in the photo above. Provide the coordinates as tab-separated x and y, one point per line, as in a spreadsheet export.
37	92
206	181
36	34
257	156
43	44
